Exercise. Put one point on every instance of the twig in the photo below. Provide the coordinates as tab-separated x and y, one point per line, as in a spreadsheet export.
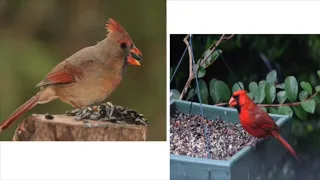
288	104
221	104
214	48
277	105
191	73
185	40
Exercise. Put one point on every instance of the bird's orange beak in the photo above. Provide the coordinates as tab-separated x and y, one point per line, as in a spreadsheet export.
135	57
232	102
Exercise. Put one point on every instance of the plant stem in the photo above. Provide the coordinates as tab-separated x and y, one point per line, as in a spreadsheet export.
277	105
191	74
288	104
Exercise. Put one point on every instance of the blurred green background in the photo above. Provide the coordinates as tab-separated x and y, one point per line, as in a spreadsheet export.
36	35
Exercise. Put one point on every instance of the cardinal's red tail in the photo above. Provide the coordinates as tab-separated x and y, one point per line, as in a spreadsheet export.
285	143
17	113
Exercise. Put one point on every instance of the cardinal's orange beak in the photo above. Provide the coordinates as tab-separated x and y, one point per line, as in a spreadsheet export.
135	57
232	102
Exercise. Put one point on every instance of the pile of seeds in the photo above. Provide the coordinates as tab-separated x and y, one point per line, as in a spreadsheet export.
187	137
109	112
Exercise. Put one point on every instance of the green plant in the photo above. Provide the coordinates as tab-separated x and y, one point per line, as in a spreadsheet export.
276	98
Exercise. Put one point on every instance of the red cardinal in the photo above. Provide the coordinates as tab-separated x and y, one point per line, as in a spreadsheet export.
255	121
87	77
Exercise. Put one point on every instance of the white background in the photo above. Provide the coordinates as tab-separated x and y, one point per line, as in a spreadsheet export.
150	160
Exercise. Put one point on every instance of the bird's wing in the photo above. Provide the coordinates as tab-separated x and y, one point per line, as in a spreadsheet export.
263	120
63	73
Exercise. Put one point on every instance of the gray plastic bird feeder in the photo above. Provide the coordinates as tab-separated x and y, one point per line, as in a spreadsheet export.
248	163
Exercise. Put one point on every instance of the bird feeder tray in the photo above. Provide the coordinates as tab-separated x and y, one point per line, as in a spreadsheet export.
248	163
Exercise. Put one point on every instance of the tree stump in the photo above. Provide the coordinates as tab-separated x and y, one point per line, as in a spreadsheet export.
65	128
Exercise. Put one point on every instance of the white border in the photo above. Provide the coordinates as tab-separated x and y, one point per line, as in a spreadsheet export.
84	160
243	17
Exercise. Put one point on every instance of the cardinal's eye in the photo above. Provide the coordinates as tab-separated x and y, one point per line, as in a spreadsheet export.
123	45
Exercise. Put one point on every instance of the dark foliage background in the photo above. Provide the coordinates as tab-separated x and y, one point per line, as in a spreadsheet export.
289	55
36	35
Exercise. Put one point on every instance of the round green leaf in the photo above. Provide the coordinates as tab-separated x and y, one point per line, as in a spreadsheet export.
201	72
205	101
190	94
253	88
306	86
213	57
291	87
261	92
236	86
219	91
270	91
280	86
317	99
273	110
272	77
281	96
203	90
285	110
309	106
213	94
222	90
318	72
301	114
317	88
215	54
303	95
174	94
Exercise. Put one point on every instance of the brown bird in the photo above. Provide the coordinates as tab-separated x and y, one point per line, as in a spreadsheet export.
255	121
87	77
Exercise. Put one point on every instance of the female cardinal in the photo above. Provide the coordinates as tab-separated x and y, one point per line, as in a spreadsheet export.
254	120
87	77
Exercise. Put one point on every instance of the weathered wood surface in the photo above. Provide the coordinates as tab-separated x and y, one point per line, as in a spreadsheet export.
65	128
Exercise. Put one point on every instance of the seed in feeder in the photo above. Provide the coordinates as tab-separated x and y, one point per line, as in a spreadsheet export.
94	116
85	121
48	116
102	110
114	120
189	137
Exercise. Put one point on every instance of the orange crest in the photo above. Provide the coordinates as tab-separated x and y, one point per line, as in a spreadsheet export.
114	26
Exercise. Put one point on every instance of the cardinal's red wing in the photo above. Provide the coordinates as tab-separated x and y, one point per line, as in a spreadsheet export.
63	73
262	120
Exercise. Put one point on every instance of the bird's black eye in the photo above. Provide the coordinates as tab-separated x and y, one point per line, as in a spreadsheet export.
123	45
